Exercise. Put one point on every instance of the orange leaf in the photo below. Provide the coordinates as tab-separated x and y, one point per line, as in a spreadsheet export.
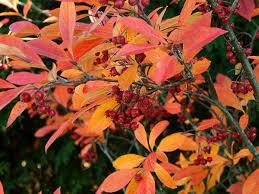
150	162
246	8
161	156
200	66
156	131
170	168
186	12
5	85
133	49
128	161
7	96
98	121
242	154
141	135
167	67
67	23
243	121
132	187
61	95
164	177
236	188
17	110
24	28
171	142
187	172
223	80
207	123
140	26
193	42
24	47
43	131
188	144
173	108
117	180
1	188
227	97
48	49
72	73
147	184
128	76
251	184
24	78
26	8
256	72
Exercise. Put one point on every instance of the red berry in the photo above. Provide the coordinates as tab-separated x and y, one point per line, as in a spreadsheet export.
52	112
221	3
134	125
249	87
121	40
234	86
97	54
34	106
38	95
196	162
118	3
116	90
248	51
233	60
225	20
103	2
229	48
253	136
145	2
115	40
42	109
133	2
229	54
70	90
113	71
253	129
241	88
218	9
203	161
229	10
140	57
209	159
25	97
235	135
199	157
207	149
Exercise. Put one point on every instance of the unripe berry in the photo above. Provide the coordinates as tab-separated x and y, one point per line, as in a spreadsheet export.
25	97
133	2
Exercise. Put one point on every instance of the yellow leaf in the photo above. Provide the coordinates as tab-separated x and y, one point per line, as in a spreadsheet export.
141	136
128	161
72	74
127	77
238	68
188	144
132	187
243	121
164	177
99	121
200	66
171	142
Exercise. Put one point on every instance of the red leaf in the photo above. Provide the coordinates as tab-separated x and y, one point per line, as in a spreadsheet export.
17	110
186	172
246	8
58	191
173	108
24	78
24	28
67	23
140	26
48	49
7	96
61	95
167	67
5	85
1	188
236	188
133	49
43	131
186	12
25	48
150	162
207	123
117	180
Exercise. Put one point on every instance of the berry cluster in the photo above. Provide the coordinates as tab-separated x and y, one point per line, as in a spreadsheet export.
132	106
119	40
242	88
114	72
200	160
120	3
223	10
251	134
203	8
40	103
219	136
101	58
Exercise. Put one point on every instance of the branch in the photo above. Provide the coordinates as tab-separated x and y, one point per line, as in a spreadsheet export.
233	122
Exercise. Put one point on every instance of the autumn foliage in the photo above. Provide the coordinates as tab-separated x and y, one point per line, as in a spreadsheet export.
118	71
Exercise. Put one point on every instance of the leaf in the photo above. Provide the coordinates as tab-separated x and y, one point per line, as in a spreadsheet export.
26	8
235	188
141	136
117	180
256	72
24	28
61	95
7	96
186	12
167	67
30	54
150	162
193	42
171	142
187	172
132	187
67	23
207	123
17	64
128	76
43	131
164	177
223	80
134	49
57	191
243	121
200	66
72	73
98	121
6	85
246	8
140	26
128	161
1	188
48	49
173	108
156	131
188	144
227	97
10	50
63	127
147	184
24	78
9	4
17	110
251	184
243	153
